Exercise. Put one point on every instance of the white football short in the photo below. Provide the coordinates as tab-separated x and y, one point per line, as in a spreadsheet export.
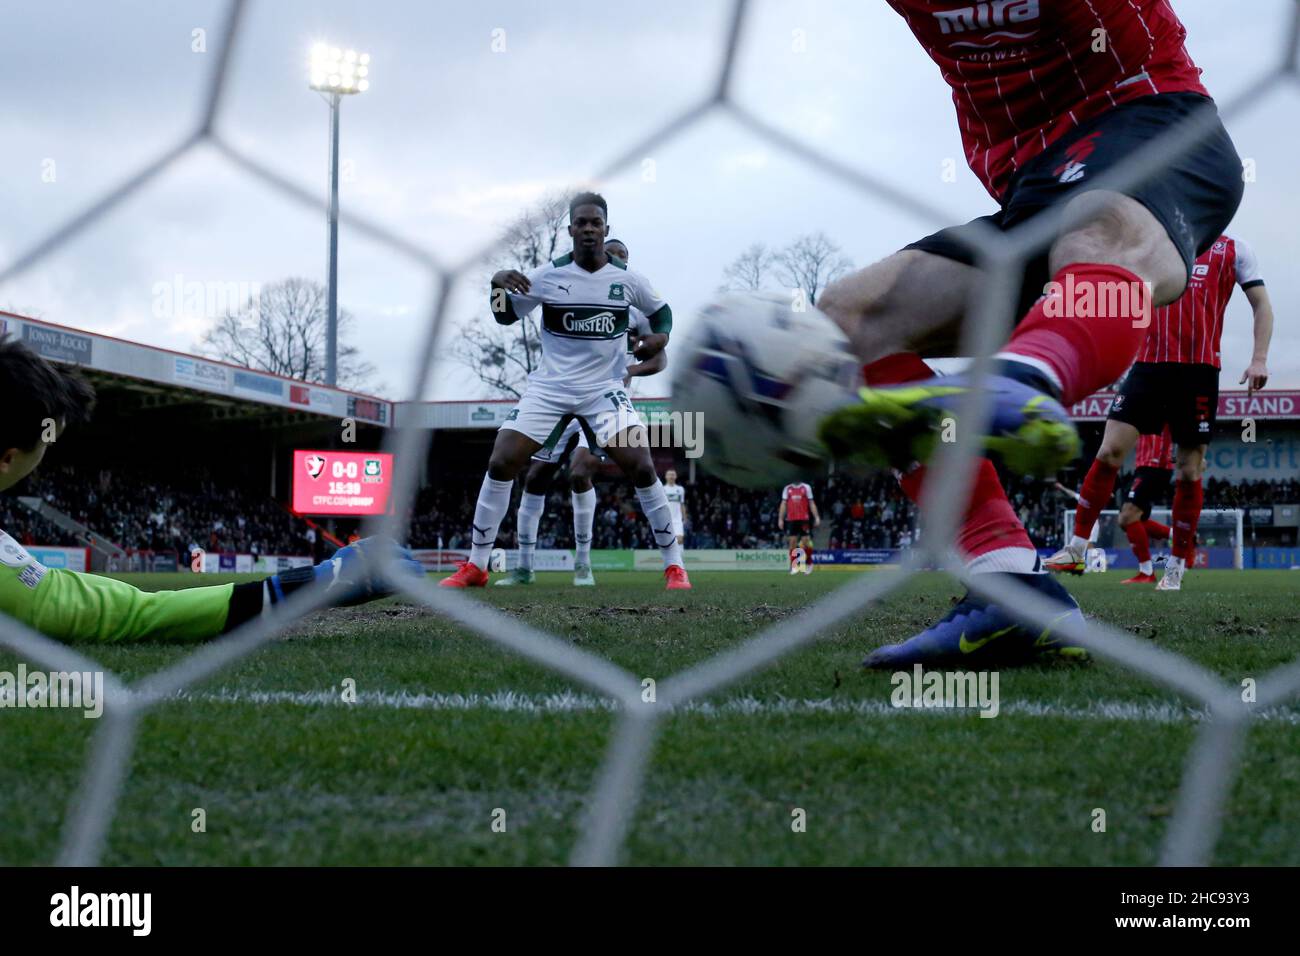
545	415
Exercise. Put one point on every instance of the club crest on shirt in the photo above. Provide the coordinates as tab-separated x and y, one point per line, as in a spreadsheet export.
616	291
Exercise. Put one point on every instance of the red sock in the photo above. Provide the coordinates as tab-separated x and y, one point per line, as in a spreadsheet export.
1137	537
1089	330
1155	529
1187	512
990	522
1094	494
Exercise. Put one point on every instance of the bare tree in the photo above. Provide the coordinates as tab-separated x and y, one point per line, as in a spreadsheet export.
503	356
811	263
282	329
539	234
749	271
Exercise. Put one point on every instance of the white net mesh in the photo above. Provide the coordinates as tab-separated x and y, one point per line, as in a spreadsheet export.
1210	769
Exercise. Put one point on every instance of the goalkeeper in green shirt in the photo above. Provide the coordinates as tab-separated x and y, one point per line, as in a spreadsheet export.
40	400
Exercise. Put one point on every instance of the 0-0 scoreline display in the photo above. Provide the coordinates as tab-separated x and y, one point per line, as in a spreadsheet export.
341	482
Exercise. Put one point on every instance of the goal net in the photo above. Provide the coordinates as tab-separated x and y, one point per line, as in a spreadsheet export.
1218	530
1214	757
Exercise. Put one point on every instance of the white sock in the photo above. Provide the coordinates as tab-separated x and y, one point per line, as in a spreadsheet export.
1146	567
1079	545
528	518
1172	562
584	513
493	502
1014	560
655	505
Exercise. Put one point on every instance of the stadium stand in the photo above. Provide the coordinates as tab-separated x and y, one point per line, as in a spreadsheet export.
240	506
141	510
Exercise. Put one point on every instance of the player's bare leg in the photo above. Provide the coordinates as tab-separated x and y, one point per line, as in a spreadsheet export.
1095	494
1188	466
911	301
630	450
1051	359
510	453
582	468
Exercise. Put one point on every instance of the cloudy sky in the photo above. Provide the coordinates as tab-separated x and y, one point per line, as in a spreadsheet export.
457	134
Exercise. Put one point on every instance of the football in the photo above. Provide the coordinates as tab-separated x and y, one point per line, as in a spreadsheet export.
762	375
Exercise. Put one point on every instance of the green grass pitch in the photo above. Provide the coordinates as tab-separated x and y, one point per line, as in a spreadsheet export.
411	773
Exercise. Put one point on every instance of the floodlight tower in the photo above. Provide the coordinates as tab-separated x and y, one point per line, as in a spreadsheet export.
335	74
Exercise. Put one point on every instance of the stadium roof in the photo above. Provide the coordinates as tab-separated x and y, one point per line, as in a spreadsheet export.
169	374
489	413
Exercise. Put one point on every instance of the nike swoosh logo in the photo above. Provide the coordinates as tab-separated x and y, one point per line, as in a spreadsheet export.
1046	638
969	647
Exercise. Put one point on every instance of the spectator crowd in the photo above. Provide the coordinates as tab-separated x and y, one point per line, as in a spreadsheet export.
867	512
140	511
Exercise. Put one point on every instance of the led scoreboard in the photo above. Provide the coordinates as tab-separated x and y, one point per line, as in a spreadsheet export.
341	482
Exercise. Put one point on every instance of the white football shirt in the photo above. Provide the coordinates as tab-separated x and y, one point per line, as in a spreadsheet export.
585	321
676	495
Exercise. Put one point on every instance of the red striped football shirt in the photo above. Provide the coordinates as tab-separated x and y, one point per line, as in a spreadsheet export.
1025	72
1189	329
1155	451
796	498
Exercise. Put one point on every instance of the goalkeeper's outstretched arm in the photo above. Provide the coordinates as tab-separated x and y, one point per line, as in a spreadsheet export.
74	607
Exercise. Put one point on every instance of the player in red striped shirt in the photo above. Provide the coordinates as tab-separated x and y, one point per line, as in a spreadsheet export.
1151	477
797	516
1175	383
1051	98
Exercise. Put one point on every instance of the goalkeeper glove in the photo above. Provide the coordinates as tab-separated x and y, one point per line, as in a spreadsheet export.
352	576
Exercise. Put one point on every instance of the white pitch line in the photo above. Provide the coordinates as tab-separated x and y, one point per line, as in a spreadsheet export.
511	702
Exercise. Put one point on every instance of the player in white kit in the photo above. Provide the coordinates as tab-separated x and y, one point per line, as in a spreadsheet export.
582	466
676	496
585	298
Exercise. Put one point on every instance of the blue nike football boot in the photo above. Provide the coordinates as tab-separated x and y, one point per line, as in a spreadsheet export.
893	427
976	633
